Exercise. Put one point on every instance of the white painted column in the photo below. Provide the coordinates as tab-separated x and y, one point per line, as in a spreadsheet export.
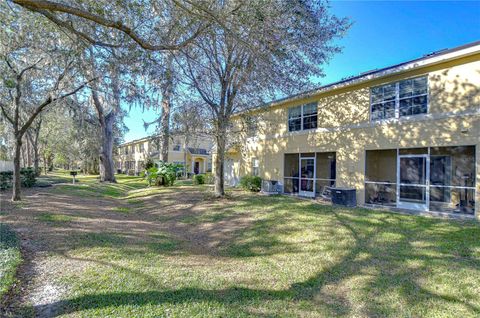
204	165
193	165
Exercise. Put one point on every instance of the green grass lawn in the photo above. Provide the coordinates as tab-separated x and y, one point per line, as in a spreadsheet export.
187	254
10	258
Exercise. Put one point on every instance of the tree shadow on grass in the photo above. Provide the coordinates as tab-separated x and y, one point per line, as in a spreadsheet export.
381	248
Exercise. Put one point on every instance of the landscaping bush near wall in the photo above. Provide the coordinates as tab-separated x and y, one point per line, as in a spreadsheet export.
149	164
165	174
27	178
251	183
199	179
6	178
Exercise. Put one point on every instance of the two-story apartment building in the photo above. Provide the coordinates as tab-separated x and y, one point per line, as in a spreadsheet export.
195	156
405	136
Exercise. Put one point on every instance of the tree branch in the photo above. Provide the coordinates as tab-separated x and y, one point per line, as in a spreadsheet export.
61	23
49	101
4	112
34	65
41	5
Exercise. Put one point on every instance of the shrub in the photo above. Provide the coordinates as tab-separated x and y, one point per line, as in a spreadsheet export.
165	174
251	183
149	164
209	178
199	179
6	178
27	176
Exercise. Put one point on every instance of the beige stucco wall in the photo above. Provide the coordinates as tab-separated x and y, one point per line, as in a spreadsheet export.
344	127
149	145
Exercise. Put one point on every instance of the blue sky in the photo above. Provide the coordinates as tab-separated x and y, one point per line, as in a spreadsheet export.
383	33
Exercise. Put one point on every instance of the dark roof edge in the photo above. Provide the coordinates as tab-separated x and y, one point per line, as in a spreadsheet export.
174	133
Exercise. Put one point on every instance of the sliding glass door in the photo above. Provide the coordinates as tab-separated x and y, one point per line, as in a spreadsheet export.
307	177
413	178
309	174
440	179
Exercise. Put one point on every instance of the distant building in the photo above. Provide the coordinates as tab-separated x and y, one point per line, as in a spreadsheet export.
195	156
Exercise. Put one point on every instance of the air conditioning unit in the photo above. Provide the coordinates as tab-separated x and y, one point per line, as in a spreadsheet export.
270	187
344	196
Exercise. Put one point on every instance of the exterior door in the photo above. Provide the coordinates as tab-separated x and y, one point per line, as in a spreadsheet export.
196	167
413	182
307	177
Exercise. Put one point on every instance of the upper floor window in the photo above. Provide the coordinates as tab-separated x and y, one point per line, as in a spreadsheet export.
302	117
142	147
403	98
126	150
176	147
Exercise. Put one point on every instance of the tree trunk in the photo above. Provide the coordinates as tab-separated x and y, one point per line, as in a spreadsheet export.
185	145
36	160
107	122
36	155
45	164
107	167
29	152
219	161
16	169
23	160
33	140
167	91
165	124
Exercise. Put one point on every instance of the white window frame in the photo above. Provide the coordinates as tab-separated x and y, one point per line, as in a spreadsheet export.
302	116
255	165
397	99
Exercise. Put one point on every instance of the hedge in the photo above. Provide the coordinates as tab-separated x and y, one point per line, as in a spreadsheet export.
199	179
251	183
6	178
27	178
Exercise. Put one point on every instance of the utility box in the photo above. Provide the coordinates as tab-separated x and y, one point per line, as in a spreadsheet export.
344	196
270	187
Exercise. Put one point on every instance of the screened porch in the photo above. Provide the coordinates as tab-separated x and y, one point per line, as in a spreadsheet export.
440	179
309	174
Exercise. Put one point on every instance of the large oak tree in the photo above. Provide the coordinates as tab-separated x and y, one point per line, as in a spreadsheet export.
37	70
268	48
